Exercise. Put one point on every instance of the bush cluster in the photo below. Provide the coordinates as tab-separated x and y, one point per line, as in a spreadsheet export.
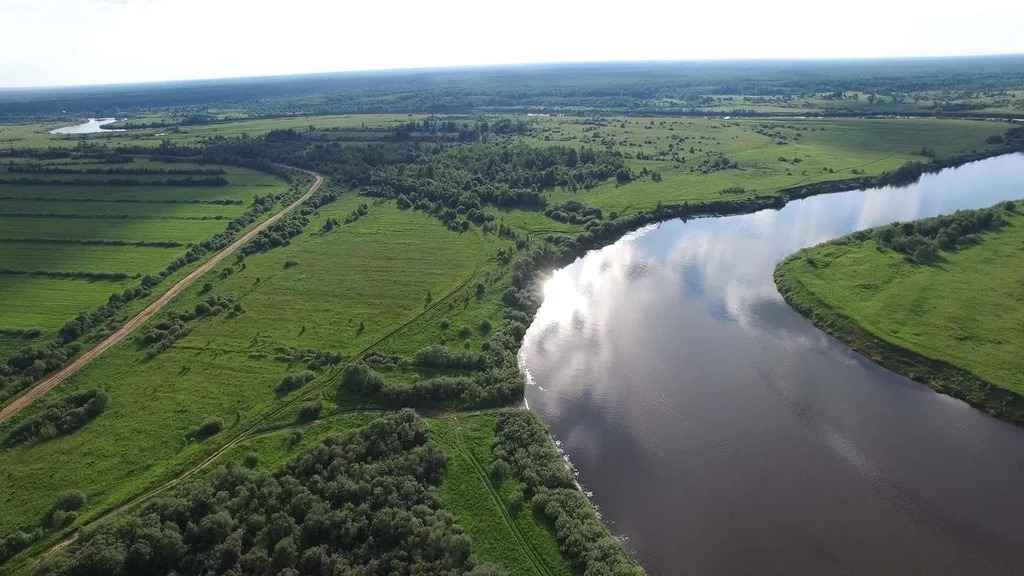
294	382
60	417
361	503
572	211
922	240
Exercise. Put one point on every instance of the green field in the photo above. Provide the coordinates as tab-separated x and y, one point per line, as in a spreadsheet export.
132	260
964	310
47	303
828	149
119	209
127	230
228	367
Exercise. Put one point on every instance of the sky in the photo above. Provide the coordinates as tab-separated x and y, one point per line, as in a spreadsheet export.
73	42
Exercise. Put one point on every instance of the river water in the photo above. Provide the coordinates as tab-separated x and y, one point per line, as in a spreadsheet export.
89	127
721	433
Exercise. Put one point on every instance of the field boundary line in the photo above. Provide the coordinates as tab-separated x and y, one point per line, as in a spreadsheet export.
23	401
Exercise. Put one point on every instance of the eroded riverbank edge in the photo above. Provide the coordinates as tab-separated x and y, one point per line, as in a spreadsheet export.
938	375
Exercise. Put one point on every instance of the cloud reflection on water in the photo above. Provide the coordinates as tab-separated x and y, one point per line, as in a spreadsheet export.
704	413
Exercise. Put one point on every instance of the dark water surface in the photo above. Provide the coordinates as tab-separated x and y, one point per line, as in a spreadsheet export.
723	434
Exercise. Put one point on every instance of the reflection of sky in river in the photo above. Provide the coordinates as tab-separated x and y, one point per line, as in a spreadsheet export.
731	259
683	387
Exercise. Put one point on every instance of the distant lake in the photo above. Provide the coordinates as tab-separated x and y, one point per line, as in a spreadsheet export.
722	433
93	125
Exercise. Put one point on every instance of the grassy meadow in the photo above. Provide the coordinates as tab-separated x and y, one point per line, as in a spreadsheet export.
314	293
964	310
130	231
771	154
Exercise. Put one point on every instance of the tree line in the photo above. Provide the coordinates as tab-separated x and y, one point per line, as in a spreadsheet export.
119	182
119	171
922	240
522	444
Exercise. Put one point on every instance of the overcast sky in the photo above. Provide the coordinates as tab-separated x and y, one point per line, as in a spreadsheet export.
63	42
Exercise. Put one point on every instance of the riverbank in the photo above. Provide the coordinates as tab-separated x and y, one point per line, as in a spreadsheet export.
949	325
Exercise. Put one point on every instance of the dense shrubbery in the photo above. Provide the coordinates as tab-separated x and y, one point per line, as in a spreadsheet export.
493	387
359	212
572	211
522	442
166	332
717	163
60	417
455	184
922	240
278	234
362	503
209	428
310	411
447	358
293	382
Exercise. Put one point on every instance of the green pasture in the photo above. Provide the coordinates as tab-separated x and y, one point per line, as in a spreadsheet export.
48	303
827	149
120	209
965	309
126	229
131	260
377	270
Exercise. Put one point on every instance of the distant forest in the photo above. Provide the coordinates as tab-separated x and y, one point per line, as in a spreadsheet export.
651	87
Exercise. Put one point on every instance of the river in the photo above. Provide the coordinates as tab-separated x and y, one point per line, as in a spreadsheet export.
721	433
91	126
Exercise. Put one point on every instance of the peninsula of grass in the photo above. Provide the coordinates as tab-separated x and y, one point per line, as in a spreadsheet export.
943	310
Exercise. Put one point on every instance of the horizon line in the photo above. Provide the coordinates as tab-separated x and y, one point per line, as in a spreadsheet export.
471	67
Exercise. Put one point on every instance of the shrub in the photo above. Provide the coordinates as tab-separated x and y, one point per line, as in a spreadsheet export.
310	411
62	518
500	470
362	379
60	417
210	428
294	381
251	460
70	500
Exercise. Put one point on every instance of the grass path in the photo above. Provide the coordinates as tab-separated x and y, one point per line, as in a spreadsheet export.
121	333
535	559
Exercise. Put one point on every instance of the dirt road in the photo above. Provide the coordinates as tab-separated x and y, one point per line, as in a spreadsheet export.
39	389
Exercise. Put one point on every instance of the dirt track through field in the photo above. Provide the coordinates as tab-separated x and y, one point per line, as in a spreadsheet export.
78	363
